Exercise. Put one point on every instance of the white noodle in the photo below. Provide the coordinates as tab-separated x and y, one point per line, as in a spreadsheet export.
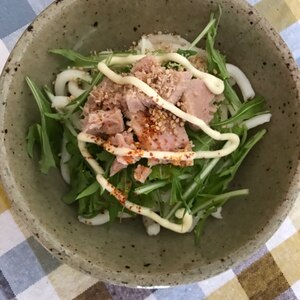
102	218
164	42
242	81
152	227
217	214
74	89
69	75
144	45
258	120
187	219
59	102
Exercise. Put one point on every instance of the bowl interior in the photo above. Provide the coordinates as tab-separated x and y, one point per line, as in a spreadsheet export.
123	253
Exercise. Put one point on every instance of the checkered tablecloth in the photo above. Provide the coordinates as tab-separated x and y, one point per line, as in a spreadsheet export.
28	271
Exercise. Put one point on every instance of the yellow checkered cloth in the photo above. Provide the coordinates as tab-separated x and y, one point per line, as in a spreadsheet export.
272	273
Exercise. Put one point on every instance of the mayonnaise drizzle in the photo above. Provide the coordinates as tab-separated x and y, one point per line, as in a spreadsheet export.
187	219
164	155
214	84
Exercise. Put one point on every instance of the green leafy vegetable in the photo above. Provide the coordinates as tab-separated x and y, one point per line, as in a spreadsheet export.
90	190
186	53
91	61
217	65
206	201
47	134
202	33
246	111
163	172
200	225
219	181
33	138
150	187
79	59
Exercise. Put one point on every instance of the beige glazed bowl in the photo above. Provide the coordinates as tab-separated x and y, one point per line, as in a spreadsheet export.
123	253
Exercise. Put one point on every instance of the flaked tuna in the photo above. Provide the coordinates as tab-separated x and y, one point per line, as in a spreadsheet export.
169	84
141	173
178	84
197	100
157	130
136	101
124	139
154	128
106	96
104	122
116	167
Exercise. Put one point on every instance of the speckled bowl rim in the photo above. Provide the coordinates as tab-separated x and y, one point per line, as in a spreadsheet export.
48	239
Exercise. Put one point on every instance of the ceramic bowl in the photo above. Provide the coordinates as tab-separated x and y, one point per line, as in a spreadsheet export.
123	253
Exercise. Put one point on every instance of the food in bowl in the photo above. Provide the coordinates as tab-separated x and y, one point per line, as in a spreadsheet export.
157	131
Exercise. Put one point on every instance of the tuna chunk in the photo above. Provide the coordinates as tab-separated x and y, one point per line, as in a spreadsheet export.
159	130
145	70
180	82
120	163
169	84
106	96
124	139
116	167
104	122
141	173
136	100
197	100
146	65
155	132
